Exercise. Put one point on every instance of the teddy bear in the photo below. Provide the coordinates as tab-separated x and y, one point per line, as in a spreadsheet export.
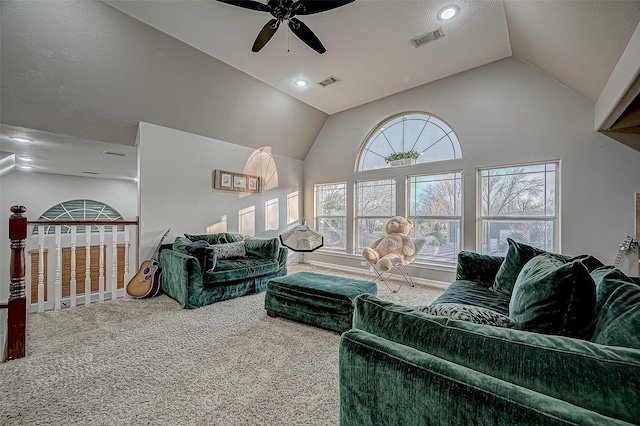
385	251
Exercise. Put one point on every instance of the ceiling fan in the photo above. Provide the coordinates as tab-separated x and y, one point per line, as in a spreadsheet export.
286	10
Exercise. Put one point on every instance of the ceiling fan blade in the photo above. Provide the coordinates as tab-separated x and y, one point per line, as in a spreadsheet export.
306	35
248	4
309	7
265	35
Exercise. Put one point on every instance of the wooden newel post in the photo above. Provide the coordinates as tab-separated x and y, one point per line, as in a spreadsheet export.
17	314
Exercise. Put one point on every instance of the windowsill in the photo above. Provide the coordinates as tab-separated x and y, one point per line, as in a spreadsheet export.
445	267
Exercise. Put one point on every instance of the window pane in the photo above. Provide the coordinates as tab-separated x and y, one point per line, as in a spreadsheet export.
517	191
376	198
427	135
435	195
538	233
331	200
443	239
334	231
370	230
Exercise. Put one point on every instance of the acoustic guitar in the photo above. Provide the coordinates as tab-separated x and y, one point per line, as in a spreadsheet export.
628	244
146	283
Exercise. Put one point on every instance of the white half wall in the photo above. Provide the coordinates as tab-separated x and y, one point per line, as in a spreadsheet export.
176	188
40	191
506	112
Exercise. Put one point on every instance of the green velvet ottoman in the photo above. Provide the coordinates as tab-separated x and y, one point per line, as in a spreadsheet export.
322	300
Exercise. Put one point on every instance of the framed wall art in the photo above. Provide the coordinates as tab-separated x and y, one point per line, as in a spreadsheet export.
239	182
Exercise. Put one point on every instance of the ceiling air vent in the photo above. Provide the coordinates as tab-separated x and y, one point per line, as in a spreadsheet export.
427	38
117	154
91	173
328	81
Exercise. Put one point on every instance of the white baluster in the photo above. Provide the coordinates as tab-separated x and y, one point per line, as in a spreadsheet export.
57	300
114	261
101	274
126	254
40	268
72	284
87	266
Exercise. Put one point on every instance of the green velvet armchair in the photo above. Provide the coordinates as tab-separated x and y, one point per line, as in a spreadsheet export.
202	269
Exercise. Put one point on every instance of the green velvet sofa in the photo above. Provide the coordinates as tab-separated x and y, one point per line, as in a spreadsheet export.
202	269
400	365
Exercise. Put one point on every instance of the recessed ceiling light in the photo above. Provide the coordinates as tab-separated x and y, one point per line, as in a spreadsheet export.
448	12
26	159
26	167
301	83
21	140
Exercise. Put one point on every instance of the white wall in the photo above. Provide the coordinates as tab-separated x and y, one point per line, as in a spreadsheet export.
40	191
176	186
504	113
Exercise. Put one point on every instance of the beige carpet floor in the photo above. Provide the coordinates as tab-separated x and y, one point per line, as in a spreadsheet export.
129	362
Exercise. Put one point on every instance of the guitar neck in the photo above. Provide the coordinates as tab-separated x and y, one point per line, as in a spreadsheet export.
616	261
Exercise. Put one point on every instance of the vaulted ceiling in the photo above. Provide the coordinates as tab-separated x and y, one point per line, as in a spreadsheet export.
92	70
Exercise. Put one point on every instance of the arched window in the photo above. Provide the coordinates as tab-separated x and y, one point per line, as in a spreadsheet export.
425	136
79	210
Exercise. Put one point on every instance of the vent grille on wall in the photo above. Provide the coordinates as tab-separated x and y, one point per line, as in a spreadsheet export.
328	81
427	38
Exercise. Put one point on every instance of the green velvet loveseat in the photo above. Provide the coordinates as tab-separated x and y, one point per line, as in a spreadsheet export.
202	269
402	366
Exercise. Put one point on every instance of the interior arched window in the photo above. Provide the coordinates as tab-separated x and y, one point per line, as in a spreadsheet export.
425	136
79	210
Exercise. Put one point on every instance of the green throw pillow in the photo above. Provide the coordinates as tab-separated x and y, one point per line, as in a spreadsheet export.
617	322
553	296
517	256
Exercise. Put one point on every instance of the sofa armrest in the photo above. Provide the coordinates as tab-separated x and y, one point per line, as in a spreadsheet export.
179	273
599	378
263	248
383	382
283	256
479	268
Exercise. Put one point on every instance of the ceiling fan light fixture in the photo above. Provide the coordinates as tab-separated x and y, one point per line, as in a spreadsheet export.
448	12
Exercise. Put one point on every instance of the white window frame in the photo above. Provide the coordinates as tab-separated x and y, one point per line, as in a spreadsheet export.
458	207
318	218
553	218
358	216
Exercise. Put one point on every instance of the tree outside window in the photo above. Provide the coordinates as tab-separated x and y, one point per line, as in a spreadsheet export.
375	204
519	202
331	214
435	208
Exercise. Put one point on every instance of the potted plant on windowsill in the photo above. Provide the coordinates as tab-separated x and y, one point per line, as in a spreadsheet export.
402	158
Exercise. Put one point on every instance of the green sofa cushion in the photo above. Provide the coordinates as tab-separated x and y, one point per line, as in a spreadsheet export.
265	248
517	256
552	296
220	238
618	320
470	293
230	270
479	268
595	377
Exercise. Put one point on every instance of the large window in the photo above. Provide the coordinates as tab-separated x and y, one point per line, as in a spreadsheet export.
79	210
519	202
435	208
375	204
331	214
430	138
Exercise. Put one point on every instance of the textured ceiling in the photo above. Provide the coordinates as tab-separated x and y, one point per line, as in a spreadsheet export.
89	71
